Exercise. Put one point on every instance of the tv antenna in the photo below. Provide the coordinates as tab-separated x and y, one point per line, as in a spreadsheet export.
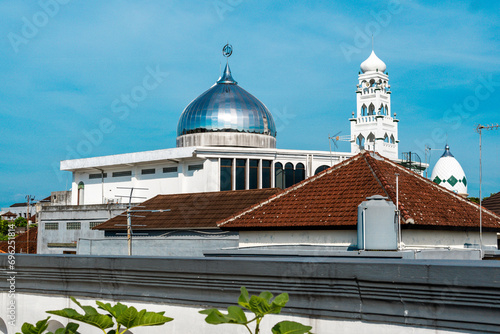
428	161
130	214
335	138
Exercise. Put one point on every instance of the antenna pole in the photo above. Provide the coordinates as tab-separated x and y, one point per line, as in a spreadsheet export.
397	212
129	223
479	129
330	144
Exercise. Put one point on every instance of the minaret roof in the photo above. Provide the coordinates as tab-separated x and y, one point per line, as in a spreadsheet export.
373	63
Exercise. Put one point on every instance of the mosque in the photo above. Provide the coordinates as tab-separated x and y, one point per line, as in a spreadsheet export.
226	140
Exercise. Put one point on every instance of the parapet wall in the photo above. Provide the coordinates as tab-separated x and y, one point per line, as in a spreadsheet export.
368	295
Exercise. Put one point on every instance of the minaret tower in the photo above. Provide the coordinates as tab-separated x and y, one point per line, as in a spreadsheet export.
372	126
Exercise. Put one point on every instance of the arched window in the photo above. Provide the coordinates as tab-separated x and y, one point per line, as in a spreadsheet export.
321	168
81	187
386	138
363	110
392	139
300	173
371	137
361	141
387	110
371	109
279	174
289	175
382	110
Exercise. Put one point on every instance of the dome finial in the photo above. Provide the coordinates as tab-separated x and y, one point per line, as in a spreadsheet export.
226	77
447	152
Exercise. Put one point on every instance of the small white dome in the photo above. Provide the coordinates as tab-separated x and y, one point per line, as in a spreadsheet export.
373	63
449	174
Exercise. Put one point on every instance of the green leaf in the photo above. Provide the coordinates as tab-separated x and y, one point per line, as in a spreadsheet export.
130	318
278	303
115	311
127	317
40	327
266	295
71	328
235	315
89	310
244	299
101	321
290	327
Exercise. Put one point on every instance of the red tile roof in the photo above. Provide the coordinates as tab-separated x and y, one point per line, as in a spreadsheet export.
196	210
21	244
9	214
492	203
329	200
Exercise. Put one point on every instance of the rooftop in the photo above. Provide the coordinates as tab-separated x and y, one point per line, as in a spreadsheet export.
492	203
329	200
187	211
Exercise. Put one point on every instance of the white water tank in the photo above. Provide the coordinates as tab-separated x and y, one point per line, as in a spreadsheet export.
377	225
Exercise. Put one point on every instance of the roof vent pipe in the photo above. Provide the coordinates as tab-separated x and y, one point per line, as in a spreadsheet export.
377	228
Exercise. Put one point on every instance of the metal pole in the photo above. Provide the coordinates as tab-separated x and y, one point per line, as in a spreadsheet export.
129	232
397	212
330	143
129	224
480	197
364	228
28	225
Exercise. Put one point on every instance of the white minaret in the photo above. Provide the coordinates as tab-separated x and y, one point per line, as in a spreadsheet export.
372	126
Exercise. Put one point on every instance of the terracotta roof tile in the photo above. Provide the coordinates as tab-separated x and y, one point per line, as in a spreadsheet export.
330	200
194	210
21	244
492	203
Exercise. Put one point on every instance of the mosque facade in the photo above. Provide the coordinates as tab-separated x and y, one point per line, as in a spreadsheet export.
226	140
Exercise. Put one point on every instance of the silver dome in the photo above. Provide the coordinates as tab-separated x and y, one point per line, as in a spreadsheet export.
226	107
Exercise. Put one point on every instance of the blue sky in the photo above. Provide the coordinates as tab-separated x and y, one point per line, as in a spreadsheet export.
64	66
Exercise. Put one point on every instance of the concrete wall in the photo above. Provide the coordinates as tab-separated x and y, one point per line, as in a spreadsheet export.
63	239
451	239
344	238
332	295
156	246
348	238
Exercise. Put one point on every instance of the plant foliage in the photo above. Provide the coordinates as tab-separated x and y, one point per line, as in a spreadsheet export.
120	317
260	306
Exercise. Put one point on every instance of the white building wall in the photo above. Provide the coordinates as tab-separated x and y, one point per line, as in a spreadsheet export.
343	238
185	180
32	307
451	239
419	239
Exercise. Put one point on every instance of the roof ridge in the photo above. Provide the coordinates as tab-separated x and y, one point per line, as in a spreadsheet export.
438	187
290	189
386	185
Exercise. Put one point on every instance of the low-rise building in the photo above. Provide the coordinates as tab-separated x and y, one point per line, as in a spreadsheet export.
323	211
